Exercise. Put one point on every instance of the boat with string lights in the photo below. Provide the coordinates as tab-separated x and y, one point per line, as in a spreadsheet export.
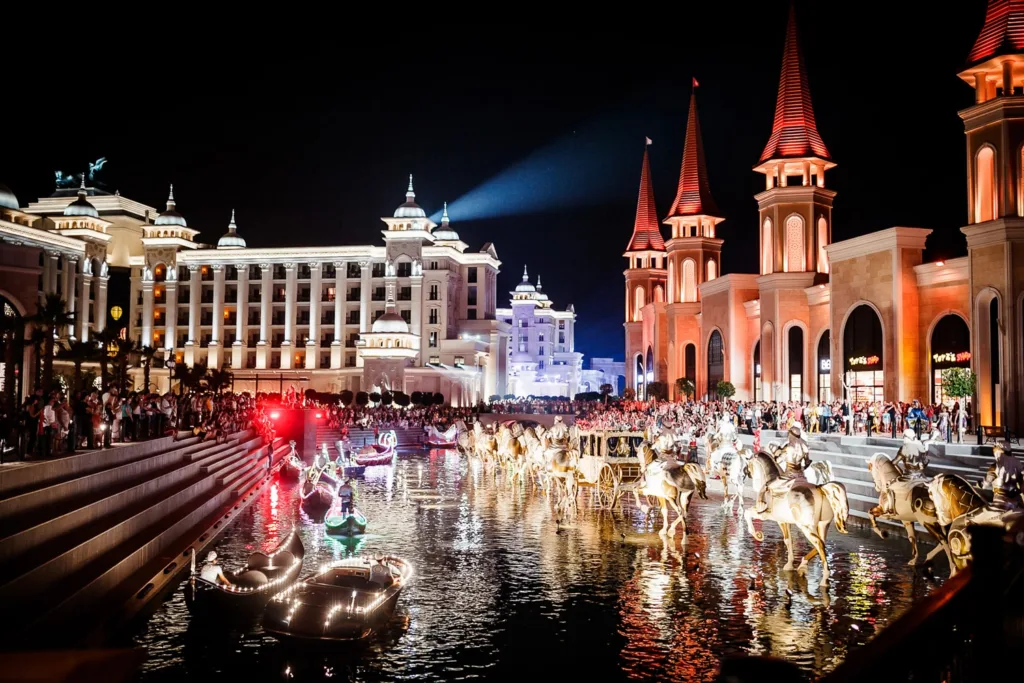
380	453
262	577
315	494
338	523
438	439
345	601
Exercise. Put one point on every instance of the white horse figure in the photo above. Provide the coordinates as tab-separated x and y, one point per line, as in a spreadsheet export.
671	484
818	472
733	471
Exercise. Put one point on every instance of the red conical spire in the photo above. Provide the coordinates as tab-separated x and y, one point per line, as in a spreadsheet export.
1003	32
646	233
794	134
694	195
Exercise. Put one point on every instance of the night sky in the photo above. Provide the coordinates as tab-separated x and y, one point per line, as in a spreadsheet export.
312	145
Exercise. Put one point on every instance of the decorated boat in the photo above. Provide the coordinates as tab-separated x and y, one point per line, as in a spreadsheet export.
262	577
315	494
348	600
445	439
293	467
340	523
380	453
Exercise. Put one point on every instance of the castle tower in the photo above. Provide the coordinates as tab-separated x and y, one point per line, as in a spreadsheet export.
694	253
994	127
795	226
645	280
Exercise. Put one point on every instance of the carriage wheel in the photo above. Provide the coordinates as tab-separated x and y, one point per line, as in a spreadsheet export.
607	488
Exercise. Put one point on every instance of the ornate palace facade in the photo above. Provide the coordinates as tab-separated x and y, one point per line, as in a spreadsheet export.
866	317
417	313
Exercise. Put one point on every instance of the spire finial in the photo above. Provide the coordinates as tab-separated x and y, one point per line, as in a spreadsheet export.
526	276
410	192
81	190
170	198
444	215
231	226
539	286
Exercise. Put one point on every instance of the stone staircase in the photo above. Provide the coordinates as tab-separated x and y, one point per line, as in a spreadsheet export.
848	456
75	529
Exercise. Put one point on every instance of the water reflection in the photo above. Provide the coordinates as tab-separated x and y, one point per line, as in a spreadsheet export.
502	590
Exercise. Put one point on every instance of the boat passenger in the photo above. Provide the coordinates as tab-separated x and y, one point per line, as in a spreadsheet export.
212	571
347	497
380	573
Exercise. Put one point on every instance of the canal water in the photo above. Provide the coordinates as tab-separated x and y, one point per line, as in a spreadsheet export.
502	591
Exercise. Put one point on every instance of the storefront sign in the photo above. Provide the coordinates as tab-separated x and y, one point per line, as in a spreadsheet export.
961	357
865	360
825	364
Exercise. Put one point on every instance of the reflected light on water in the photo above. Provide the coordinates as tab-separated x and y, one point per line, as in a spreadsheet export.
501	589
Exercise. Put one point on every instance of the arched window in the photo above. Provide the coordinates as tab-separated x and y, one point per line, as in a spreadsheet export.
822	243
985	201
638	303
649	377
690	363
767	248
825	367
638	377
712	270
794	244
659	293
756	370
689	281
673	286
951	348
863	355
795	358
716	364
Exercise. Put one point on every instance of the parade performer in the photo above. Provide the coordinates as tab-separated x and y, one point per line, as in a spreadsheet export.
347	497
912	455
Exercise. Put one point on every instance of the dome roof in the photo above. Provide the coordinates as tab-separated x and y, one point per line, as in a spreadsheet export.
81	205
7	198
231	239
390	323
170	216
525	285
445	231
410	209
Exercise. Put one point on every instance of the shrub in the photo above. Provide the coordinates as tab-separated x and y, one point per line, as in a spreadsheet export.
725	389
438	399
387	398
362	398
401	399
346	397
657	390
374	397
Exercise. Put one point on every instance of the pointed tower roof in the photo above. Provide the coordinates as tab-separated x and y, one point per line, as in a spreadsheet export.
231	239
445	232
171	215
410	209
646	233
81	205
694	195
794	133
1003	32
524	285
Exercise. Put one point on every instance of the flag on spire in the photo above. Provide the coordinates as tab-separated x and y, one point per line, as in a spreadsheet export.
695	83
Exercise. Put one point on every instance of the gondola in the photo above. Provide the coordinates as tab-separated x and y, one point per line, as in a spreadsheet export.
344	524
380	453
292	468
315	494
446	439
346	601
262	577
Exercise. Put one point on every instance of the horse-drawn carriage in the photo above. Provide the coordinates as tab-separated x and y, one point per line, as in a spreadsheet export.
608	463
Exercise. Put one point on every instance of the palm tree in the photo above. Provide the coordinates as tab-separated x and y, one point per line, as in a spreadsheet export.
606	390
125	349
36	338
146	354
218	380
52	316
79	352
190	377
12	330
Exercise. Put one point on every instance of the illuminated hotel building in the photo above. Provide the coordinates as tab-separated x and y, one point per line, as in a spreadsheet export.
865	317
542	360
417	313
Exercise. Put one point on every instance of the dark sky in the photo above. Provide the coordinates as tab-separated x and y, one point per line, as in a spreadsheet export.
311	139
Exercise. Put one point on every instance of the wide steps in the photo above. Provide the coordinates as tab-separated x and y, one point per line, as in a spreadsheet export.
63	555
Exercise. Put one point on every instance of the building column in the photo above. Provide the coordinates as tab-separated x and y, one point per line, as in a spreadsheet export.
194	296
70	290
83	304
213	360
263	345
171	313
364	304
288	345
101	302
147	312
416	318
337	346
491	368
313	343
51	285
241	318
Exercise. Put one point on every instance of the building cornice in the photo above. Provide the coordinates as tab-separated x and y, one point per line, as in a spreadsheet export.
992	111
84	234
776	281
753	308
795	194
179	242
943	272
685	243
12	232
818	294
104	203
683	308
727	282
883	240
1009	229
646	272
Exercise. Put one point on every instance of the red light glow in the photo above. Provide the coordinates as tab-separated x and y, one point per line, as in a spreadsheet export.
274	415
319	415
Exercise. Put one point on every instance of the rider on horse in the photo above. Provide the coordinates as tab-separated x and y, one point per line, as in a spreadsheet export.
1009	479
793	459
912	454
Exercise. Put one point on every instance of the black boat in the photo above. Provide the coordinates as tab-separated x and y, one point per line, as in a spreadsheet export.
348	600
262	577
292	468
316	495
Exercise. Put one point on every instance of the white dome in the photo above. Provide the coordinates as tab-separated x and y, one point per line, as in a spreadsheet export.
525	285
7	198
81	206
170	216
390	323
445	231
410	209
231	239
